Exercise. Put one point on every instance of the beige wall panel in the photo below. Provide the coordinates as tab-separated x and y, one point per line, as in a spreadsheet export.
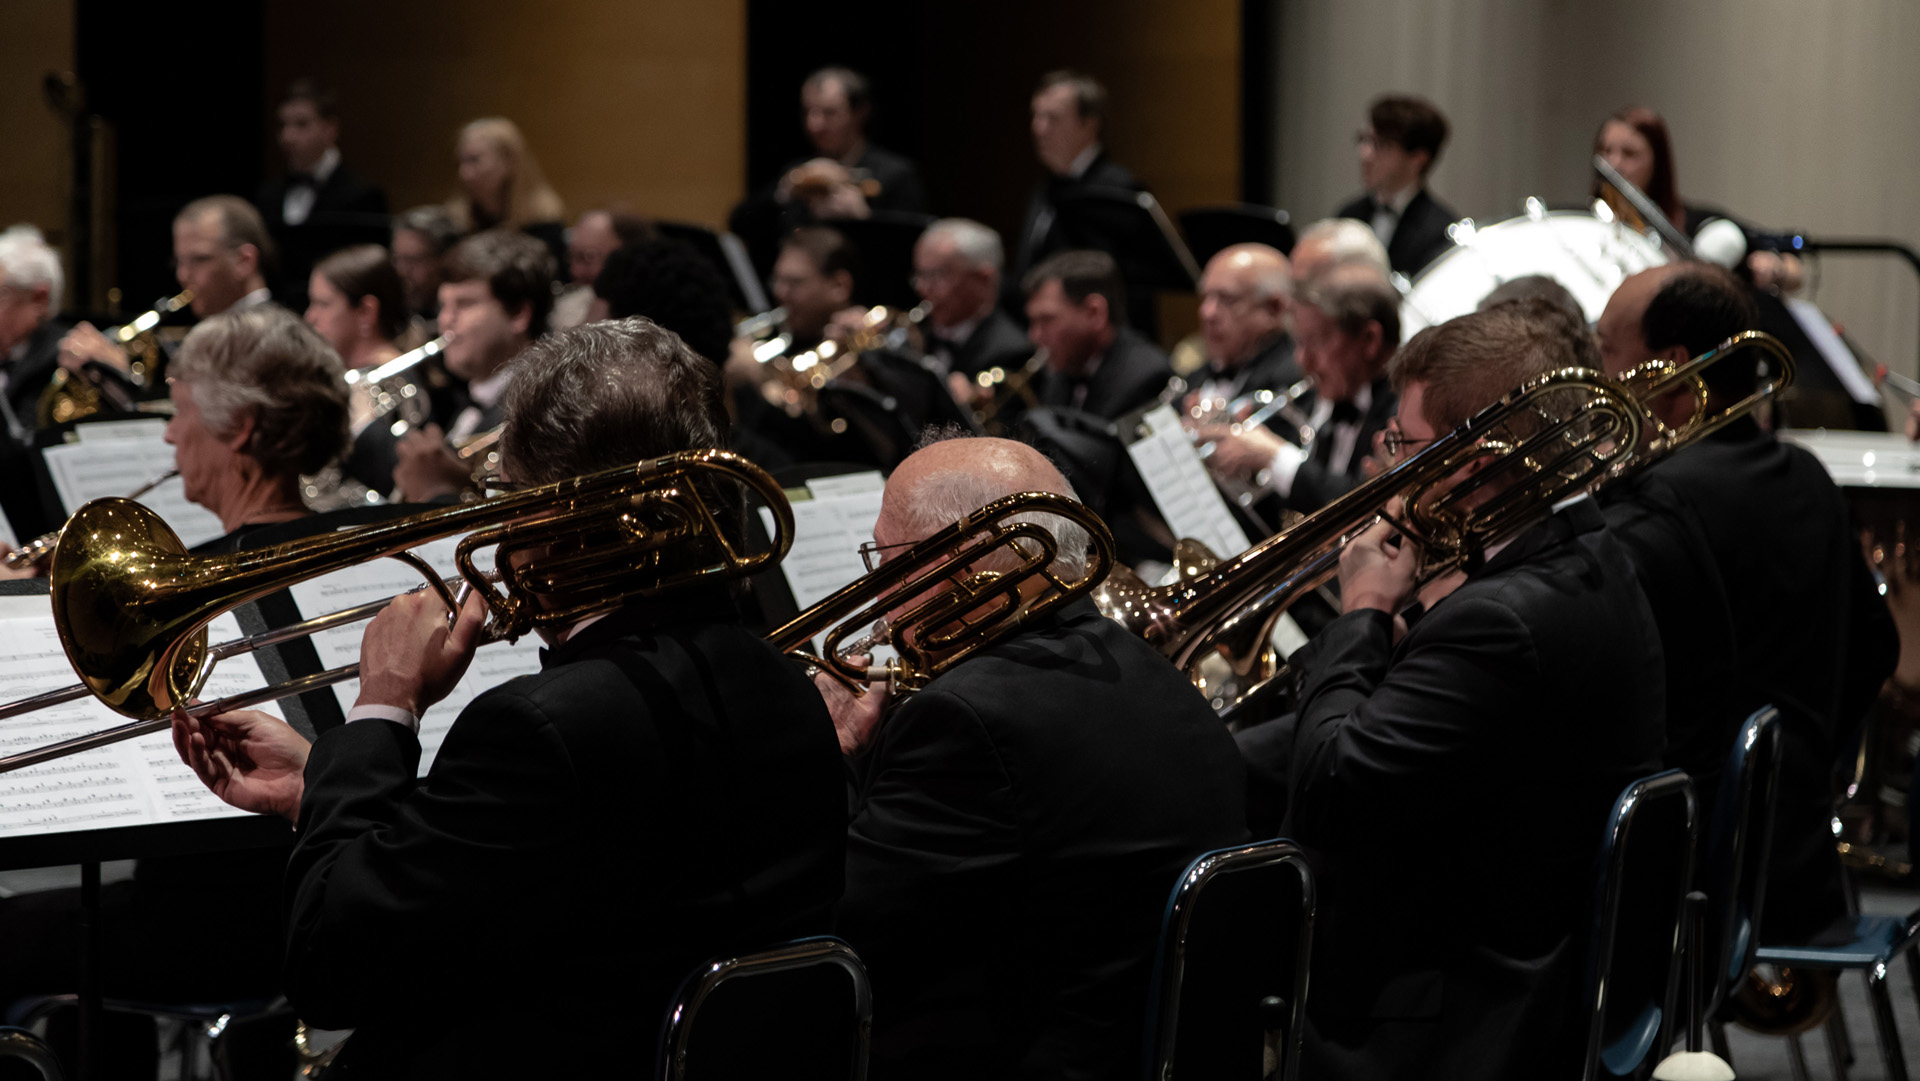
36	36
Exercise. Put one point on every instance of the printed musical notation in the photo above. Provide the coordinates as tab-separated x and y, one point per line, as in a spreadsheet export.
97	467
1178	482
382	578
133	783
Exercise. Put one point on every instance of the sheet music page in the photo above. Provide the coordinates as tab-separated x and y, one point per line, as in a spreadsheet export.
6	532
97	468
829	526
1831	347
133	783
1180	486
382	578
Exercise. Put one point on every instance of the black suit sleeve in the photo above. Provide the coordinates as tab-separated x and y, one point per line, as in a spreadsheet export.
389	873
1314	485
1378	734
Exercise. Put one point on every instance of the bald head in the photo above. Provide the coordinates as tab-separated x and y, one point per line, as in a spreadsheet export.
950	479
1243	302
1623	342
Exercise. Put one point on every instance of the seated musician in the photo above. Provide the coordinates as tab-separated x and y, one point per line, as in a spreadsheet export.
494	298
1452	777
358	303
221	251
1331	241
664	791
1244	296
1020	820
597	234
835	104
1069	113
319	204
503	187
1398	149
31	284
1096	363
421	238
956	270
1346	324
1746	552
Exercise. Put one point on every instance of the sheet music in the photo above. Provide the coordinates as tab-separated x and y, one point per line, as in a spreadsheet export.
150	429
1833	349
133	783
829	526
97	468
1180	486
6	531
381	578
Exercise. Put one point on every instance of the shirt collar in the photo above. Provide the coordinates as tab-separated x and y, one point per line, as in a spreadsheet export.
1398	201
324	168
1085	161
252	300
485	392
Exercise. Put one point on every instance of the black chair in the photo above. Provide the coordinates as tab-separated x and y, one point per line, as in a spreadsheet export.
874	420
782	1013
207	1022
1644	869
1230	982
1870	949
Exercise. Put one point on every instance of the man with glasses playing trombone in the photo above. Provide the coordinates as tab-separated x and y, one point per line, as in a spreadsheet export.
1451	772
665	790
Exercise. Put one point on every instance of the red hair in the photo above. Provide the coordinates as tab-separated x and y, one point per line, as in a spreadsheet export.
1662	187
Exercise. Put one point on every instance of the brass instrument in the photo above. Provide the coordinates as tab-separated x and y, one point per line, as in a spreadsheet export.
938	602
767	325
1245	491
69	398
132	606
1655	379
395	395
40	548
1005	386
793	382
1545	441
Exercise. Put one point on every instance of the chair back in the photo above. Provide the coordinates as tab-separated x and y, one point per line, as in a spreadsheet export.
1644	869
802	1010
1230	982
1739	836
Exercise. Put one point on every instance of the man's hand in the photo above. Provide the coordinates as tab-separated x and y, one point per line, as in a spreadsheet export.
409	658
36	569
252	760
1913	422
855	716
84	343
427	468
1377	570
1239	452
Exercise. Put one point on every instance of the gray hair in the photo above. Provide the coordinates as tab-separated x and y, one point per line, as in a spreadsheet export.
28	262
945	496
979	245
266	364
1348	241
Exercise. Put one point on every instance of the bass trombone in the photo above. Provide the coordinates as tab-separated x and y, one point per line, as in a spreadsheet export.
957	592
132	606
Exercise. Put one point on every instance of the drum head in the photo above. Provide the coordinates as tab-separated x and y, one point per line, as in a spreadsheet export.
1588	256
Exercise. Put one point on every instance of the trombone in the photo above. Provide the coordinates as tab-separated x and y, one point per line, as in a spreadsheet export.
951	595
132	606
40	548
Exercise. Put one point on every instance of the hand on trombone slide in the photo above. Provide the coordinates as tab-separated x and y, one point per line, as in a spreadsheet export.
1380	569
855	716
252	760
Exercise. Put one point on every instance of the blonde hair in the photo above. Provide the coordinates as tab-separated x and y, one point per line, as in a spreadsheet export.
528	197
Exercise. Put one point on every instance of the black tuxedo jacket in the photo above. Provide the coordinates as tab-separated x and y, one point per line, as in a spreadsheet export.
1420	236
1743	545
347	210
1453	790
1317	483
667	789
1133	373
997	340
1018	825
1273	368
27	378
900	188
1041	231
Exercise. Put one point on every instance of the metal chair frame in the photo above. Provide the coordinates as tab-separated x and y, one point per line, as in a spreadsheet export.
209	1021
1672	784
18	1043
799	954
1188	894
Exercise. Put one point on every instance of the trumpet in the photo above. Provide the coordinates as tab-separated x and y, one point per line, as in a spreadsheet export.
40	548
951	595
69	398
1005	386
793	382
132	606
394	393
1548	440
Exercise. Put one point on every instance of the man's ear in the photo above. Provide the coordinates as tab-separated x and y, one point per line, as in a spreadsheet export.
248	258
242	434
1426	162
843	282
1096	306
367	312
521	320
1677	354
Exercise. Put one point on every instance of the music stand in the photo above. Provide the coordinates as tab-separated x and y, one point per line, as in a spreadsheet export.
1130	226
1212	229
885	243
728	255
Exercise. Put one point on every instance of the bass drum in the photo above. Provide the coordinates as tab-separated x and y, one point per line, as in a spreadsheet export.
1588	256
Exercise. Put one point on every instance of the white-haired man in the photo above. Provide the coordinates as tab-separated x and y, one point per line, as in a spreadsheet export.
1332	242
956	270
1018	821
1244	297
30	288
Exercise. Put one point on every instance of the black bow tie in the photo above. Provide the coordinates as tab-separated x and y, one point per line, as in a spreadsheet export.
1346	413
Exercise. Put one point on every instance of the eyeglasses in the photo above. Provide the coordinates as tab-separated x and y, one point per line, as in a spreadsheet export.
1395	441
870	552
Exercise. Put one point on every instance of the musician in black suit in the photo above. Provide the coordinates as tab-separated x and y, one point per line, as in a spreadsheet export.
1398	149
1068	110
1095	362
1244	296
319	205
1745	550
1019	821
31	283
956	271
494	299
1346	324
1451	778
664	791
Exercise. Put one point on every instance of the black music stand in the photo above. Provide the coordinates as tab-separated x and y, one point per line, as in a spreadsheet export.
91	848
1211	229
885	243
728	255
1130	226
